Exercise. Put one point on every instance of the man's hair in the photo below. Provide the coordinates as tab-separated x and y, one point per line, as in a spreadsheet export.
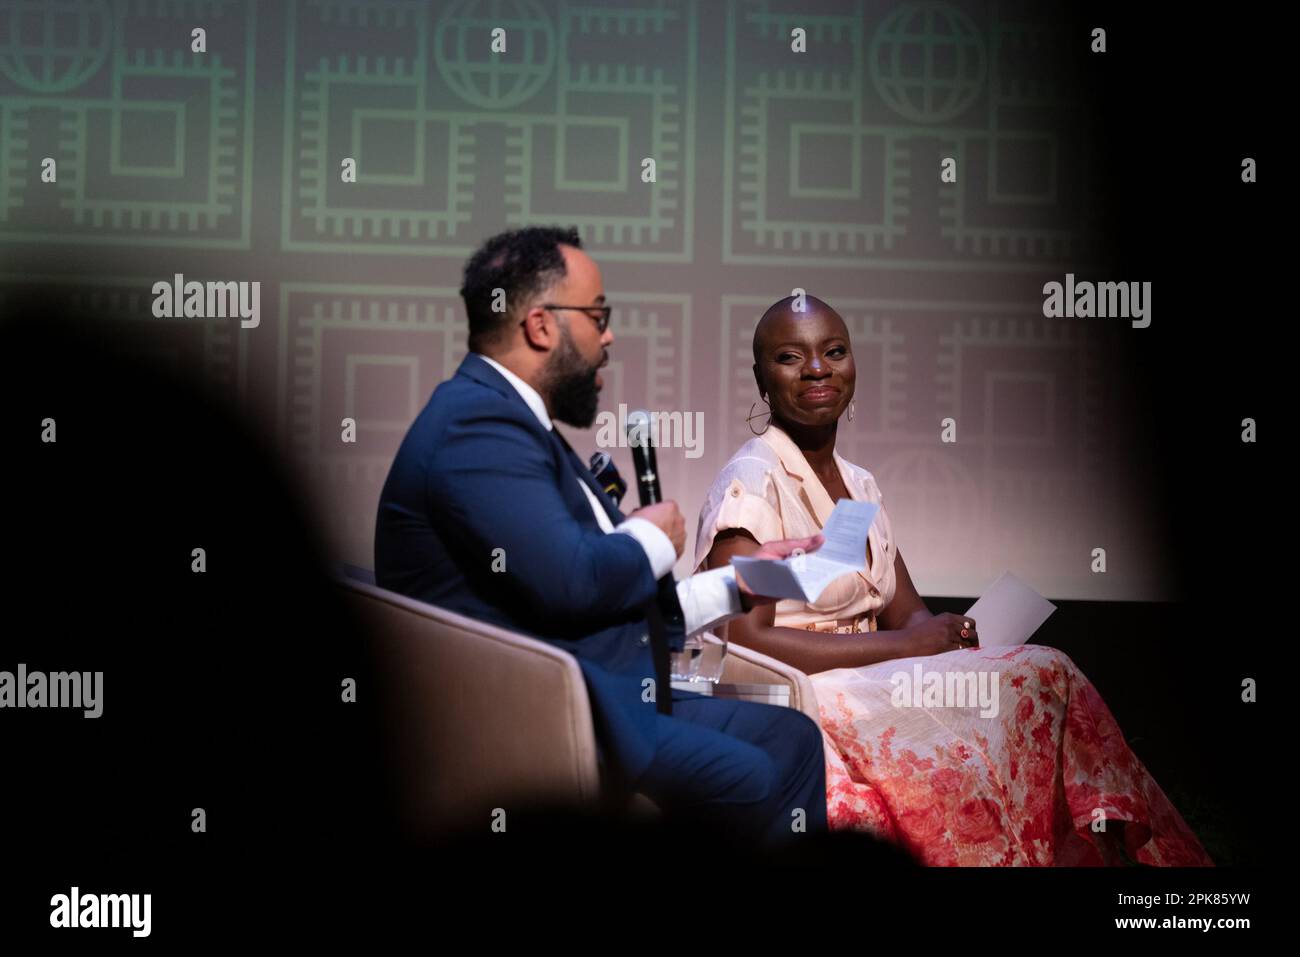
522	262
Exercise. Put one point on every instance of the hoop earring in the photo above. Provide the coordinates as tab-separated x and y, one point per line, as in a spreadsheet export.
750	421
850	410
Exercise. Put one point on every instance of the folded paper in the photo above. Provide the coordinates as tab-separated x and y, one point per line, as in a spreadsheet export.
803	577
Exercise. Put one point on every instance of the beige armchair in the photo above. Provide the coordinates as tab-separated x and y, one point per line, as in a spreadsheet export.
478	717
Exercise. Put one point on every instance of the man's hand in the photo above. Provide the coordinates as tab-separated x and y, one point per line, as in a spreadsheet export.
668	518
781	548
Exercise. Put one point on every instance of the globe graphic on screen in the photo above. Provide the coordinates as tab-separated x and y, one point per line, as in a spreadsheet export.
54	47
494	81
927	62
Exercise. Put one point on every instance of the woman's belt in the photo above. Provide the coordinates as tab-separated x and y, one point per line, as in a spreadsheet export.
845	626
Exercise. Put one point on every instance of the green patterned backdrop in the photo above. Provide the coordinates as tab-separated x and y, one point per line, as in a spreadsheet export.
774	169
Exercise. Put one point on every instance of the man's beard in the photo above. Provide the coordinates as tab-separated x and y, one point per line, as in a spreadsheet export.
571	385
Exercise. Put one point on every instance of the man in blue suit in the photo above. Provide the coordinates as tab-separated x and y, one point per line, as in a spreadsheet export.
487	511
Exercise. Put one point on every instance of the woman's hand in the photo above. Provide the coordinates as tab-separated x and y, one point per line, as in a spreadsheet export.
940	633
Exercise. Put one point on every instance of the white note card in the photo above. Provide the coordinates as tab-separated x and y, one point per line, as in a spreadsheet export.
805	577
1009	612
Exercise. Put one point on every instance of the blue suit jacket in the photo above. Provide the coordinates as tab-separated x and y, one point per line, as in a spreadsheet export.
478	472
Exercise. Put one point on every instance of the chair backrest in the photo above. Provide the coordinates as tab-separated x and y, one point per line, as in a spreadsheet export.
476	716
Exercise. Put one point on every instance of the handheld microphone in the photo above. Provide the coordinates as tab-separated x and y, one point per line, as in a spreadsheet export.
667	604
643	457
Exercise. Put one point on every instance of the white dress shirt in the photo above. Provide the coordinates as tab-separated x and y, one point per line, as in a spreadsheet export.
708	598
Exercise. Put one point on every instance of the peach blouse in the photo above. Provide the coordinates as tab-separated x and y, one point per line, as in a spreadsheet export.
769	489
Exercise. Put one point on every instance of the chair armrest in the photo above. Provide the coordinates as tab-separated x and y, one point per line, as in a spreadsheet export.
746	666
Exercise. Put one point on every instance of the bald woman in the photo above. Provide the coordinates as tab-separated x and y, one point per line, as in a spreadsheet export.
954	785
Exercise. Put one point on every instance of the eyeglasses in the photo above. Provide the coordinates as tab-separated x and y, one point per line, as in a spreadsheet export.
602	322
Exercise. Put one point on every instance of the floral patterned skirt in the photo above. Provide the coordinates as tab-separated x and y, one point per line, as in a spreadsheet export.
1045	778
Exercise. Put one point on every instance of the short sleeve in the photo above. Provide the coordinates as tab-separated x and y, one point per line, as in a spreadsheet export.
736	507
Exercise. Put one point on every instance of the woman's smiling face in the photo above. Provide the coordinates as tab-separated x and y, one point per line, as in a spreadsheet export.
804	361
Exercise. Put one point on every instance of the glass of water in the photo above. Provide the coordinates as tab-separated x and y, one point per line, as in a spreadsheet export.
700	659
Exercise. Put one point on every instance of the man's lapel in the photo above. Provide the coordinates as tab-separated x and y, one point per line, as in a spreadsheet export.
584	473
